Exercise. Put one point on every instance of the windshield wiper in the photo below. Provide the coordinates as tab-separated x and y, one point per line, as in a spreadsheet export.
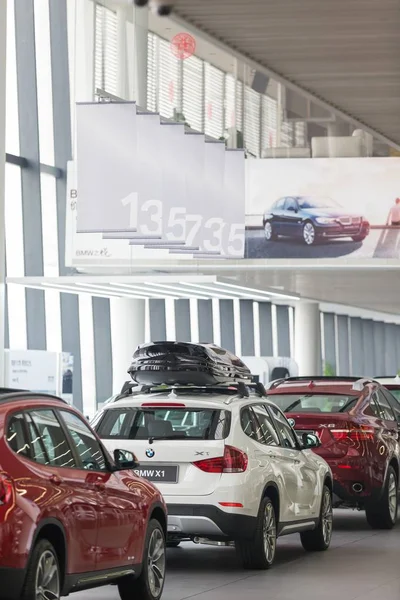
155	438
293	405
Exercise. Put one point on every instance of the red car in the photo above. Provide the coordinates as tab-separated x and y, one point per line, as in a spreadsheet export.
72	517
357	421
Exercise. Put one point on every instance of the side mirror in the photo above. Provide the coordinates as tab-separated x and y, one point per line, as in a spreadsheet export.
309	440
125	460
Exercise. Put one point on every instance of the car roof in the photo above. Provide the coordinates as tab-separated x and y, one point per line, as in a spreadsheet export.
10	395
386	381
351	386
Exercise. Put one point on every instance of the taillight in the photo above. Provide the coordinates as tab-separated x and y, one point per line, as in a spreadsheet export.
233	461
358	434
6	490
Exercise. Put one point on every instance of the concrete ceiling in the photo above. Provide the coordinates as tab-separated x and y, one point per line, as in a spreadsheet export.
345	53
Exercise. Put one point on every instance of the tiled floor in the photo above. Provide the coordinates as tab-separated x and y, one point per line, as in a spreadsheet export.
361	564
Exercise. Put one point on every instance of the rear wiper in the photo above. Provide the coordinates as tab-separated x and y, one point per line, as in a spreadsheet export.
155	438
293	405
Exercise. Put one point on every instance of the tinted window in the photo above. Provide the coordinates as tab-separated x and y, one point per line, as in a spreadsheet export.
313	403
165	423
88	447
286	432
250	426
386	410
48	428
16	435
269	434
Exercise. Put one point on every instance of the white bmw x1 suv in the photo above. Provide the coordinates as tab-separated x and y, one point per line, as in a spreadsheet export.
229	465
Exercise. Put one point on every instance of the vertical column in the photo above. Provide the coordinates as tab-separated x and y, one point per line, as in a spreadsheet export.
3	27
141	26
127	332
307	338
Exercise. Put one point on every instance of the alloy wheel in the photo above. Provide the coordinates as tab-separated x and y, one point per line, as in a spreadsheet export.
392	496
268	230
269	533
327	517
47	584
309	234
156	563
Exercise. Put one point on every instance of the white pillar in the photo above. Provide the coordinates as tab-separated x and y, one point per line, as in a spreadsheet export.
127	332
307	338
3	45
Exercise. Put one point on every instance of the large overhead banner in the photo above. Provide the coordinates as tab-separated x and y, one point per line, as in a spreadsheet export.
338	208
146	189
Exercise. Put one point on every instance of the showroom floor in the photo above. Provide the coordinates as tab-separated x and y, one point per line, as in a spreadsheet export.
361	563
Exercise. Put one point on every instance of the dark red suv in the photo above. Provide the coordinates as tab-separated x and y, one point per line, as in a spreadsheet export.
357	421
72	517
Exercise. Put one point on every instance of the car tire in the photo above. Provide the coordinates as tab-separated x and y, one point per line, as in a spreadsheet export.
42	563
150	583
383	514
309	234
269	231
259	552
319	539
173	544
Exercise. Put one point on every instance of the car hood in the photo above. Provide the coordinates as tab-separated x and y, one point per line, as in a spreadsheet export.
328	212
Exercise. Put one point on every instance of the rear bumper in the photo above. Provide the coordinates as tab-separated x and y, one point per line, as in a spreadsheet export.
12	581
186	520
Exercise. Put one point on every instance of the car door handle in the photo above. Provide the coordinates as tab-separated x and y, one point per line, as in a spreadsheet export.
55	479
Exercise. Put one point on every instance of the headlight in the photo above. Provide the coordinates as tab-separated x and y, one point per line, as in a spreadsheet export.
325	220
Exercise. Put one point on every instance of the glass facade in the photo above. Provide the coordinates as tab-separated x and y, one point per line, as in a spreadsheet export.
61	52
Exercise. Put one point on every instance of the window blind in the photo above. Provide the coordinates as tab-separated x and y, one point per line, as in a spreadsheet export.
152	72
106	50
233	103
252	118
169	92
269	123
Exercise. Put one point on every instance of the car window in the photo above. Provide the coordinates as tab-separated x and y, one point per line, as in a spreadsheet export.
269	434
394	403
372	409
16	435
250	426
50	432
280	203
386	410
314	403
164	423
38	451
90	452
286	432
290	204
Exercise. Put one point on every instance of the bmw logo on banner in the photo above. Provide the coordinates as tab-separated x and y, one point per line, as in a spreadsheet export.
150	453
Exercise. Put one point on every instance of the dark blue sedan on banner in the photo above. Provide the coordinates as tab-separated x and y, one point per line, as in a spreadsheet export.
312	219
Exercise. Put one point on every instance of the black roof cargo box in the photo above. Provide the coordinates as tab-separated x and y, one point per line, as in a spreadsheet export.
181	363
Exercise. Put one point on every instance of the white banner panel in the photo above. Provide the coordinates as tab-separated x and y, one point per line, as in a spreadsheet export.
106	159
325	208
233	238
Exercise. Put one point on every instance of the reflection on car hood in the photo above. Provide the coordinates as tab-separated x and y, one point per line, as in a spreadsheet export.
327	212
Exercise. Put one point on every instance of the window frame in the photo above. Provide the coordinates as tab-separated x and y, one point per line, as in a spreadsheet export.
296	439
10	416
393	402
383	408
264	406
74	449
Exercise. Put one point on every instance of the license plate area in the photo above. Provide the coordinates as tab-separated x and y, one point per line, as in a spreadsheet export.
158	473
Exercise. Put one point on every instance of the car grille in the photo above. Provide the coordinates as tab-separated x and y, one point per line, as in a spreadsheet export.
350	220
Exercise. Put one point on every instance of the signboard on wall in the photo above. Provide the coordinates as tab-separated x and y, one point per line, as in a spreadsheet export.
33	370
146	189
338	208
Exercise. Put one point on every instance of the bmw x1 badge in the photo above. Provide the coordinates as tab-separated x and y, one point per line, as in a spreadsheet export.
150	453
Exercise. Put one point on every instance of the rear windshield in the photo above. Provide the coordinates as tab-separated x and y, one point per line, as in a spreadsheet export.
164	423
314	403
